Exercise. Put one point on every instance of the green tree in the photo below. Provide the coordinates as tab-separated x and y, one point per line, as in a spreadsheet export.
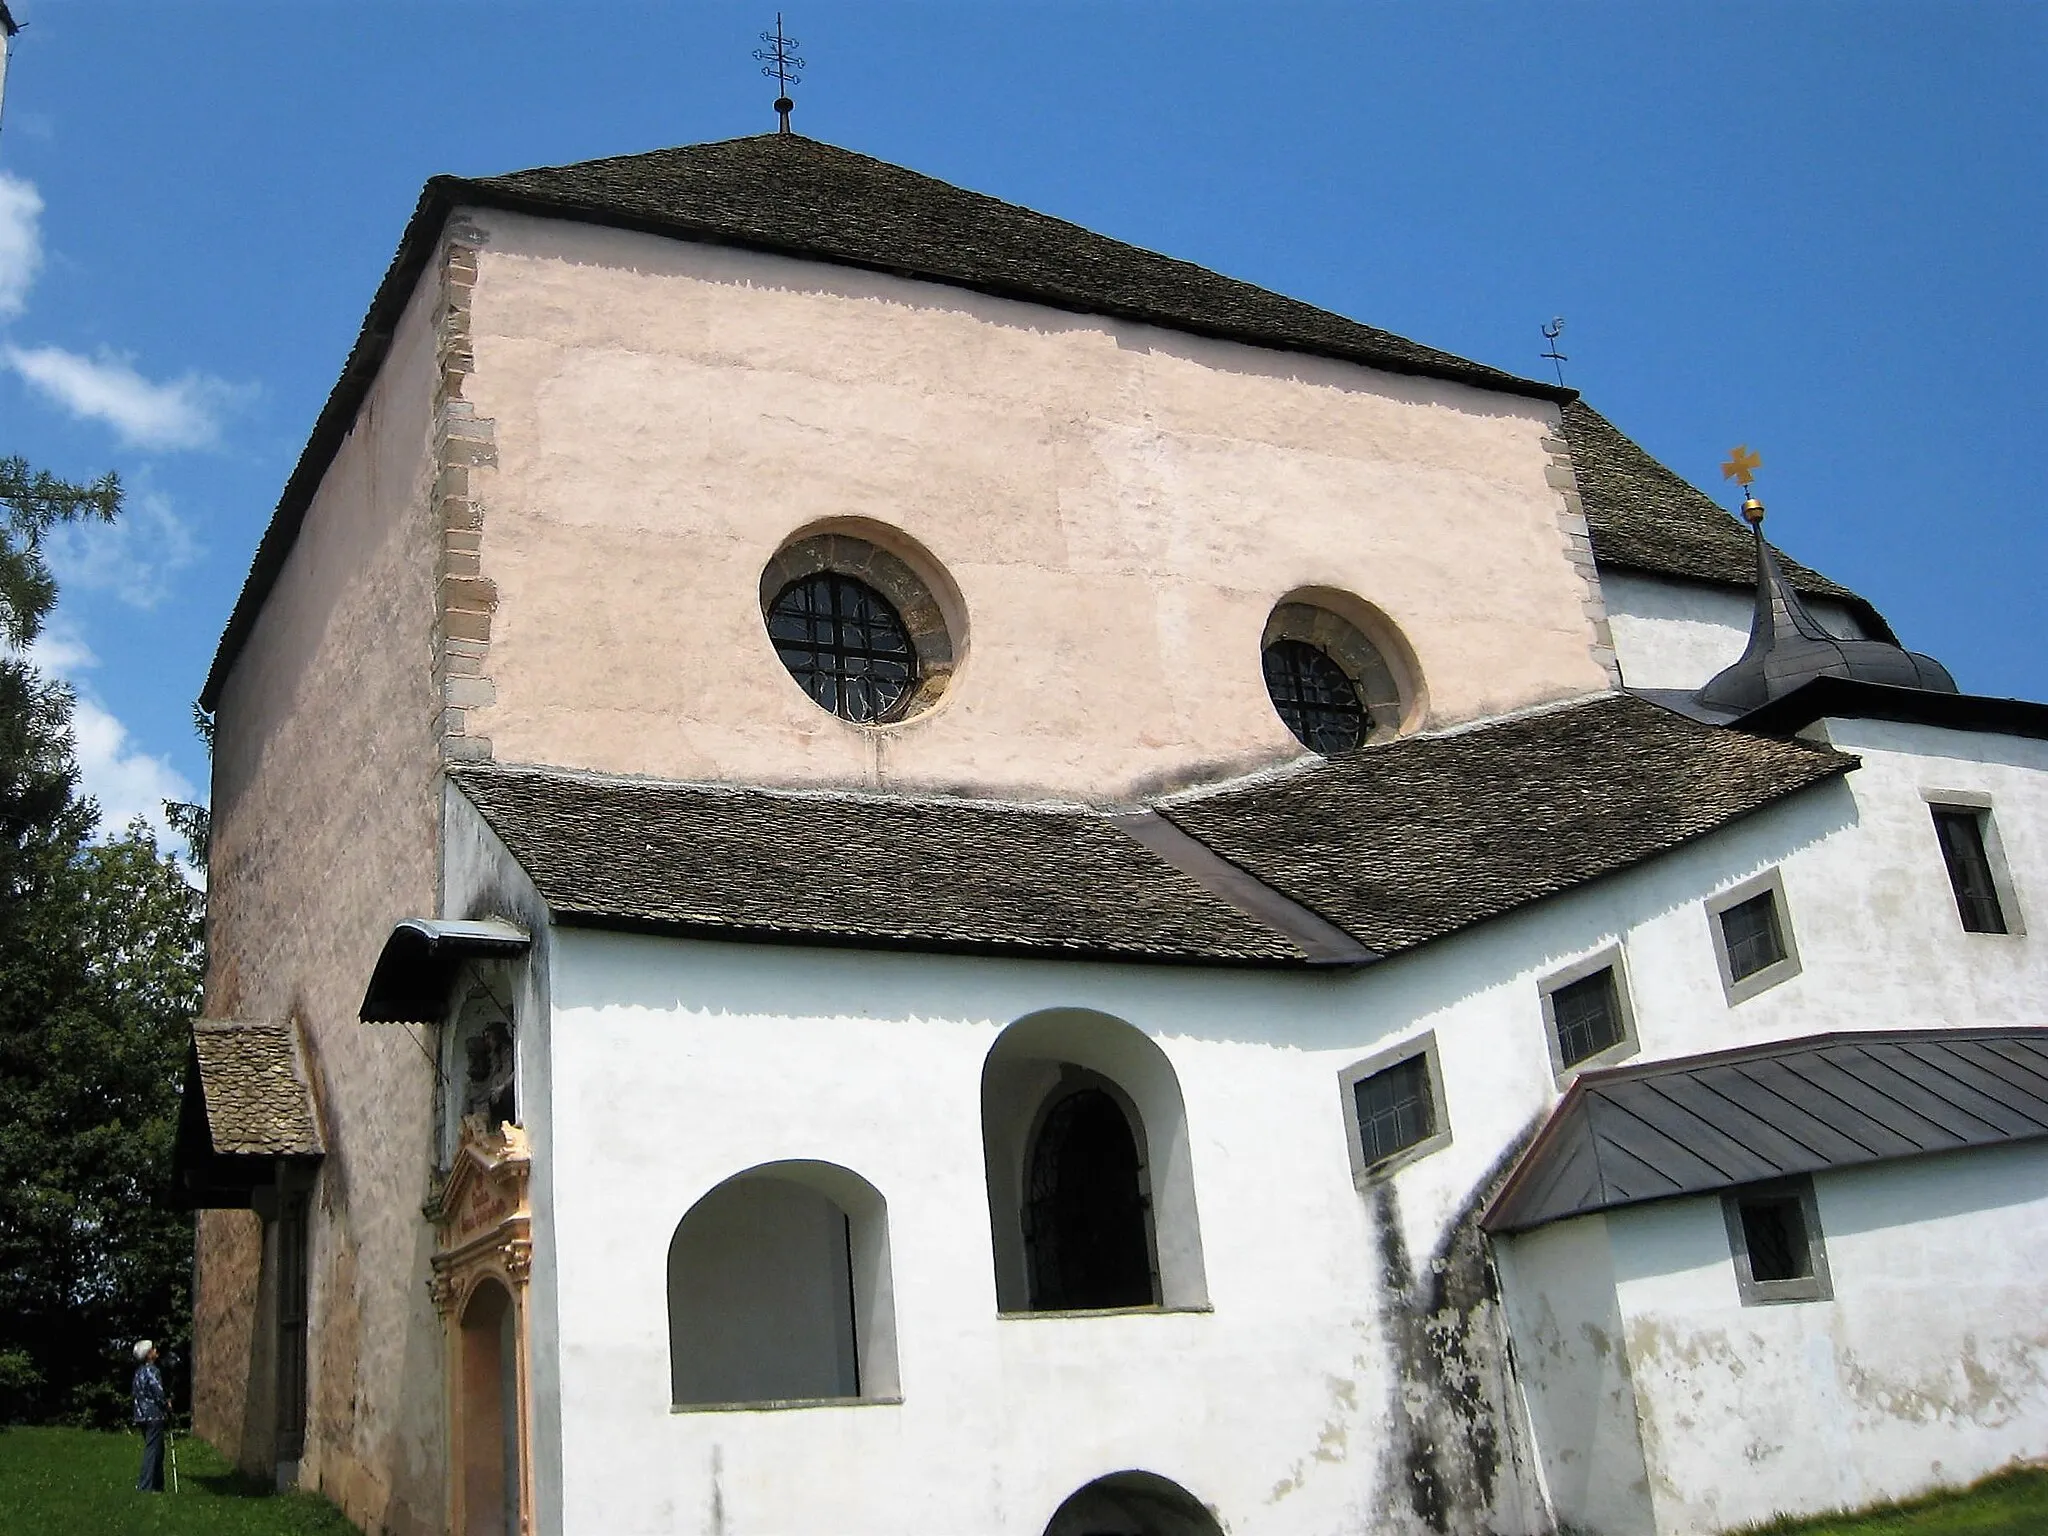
100	963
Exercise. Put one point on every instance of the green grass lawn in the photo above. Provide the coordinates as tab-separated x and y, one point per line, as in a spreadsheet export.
2010	1504
78	1482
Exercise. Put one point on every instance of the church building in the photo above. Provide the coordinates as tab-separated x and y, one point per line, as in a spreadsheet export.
881	867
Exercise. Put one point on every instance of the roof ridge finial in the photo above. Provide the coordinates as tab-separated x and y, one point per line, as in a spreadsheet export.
1556	358
780	63
1741	467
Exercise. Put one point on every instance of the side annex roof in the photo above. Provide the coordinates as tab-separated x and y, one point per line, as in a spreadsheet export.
1393	846
1698	1124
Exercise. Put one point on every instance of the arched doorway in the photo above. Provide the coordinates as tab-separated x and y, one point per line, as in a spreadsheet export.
1086	1225
1132	1504
489	1413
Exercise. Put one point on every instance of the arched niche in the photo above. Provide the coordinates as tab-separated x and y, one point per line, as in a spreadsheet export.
779	1290
1132	1504
1041	1062
488	1416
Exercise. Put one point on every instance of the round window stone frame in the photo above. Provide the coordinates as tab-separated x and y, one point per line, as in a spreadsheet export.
1372	654
911	593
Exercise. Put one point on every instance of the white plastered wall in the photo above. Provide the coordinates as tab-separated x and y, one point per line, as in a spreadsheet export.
1679	634
677	1064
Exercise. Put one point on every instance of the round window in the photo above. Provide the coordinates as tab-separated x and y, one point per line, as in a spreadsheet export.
1315	698
1331	685
861	629
846	644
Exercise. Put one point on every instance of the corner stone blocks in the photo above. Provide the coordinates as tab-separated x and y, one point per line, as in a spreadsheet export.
1578	539
465	450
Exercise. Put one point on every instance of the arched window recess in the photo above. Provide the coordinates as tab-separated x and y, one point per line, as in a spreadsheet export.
1091	1194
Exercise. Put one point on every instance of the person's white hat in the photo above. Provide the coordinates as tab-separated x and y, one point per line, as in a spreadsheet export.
142	1349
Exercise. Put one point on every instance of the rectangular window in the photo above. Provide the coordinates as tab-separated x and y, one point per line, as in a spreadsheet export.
1393	1107
1587	1016
1750	931
1753	943
1774	1238
1961	831
1394	1111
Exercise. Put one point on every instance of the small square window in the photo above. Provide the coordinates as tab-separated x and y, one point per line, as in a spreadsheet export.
1750	931
1752	937
1960	829
1394	1111
1393	1107
1774	1237
1587	1011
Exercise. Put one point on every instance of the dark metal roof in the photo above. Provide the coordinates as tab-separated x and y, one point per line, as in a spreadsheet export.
1706	1123
1338	862
1406	841
1851	699
1788	648
1644	517
416	969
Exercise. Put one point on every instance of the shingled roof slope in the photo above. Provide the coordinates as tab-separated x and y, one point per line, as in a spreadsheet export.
256	1100
786	192
1406	842
1644	517
1396	845
859	869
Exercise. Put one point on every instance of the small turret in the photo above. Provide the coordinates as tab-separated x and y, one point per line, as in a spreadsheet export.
1788	646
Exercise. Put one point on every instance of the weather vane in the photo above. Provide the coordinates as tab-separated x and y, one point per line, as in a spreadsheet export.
1741	467
780	63
1556	358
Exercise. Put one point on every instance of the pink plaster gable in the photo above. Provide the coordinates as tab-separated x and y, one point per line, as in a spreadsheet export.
1120	507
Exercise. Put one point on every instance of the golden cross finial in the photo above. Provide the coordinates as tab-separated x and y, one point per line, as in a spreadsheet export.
1742	466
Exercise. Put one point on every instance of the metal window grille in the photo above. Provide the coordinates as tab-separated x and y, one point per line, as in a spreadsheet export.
1961	831
1084	1216
1750	931
1395	1110
1774	1232
847	646
1314	696
1587	1016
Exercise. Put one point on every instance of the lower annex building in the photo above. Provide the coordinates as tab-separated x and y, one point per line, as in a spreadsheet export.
880	865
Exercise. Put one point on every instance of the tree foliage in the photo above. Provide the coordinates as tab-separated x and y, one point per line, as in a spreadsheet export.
100	966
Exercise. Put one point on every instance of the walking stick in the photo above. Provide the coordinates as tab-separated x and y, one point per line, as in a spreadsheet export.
171	1444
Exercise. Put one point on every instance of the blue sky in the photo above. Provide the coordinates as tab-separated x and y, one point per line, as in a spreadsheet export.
1815	228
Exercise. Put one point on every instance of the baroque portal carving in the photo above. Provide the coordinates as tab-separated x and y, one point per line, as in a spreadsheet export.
483	1256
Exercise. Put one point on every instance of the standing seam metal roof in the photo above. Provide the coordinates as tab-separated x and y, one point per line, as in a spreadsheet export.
1699	1124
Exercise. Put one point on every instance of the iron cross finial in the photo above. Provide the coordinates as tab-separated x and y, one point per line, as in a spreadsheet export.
1742	466
780	64
1556	358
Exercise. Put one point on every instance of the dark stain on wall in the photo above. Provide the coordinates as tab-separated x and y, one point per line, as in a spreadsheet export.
1454	1440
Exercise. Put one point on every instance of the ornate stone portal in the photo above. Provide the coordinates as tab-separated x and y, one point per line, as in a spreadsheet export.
483	1255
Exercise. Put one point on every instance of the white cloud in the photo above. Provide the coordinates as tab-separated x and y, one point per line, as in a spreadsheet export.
125	781
133	557
182	413
21	242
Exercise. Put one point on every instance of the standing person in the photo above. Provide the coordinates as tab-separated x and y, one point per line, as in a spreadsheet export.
152	1408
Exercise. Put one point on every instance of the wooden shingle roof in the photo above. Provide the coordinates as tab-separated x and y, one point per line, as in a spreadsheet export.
1395	845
